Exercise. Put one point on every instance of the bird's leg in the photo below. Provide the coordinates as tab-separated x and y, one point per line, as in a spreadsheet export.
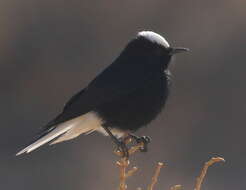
120	144
145	139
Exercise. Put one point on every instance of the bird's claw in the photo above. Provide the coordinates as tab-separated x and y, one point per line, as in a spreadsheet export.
145	140
123	149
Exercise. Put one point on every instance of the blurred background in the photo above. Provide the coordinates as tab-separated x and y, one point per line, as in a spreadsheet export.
50	49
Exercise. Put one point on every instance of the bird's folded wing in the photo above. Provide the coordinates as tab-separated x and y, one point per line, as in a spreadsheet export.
116	81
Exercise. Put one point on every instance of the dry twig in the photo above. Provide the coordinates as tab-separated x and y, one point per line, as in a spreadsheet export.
124	162
155	177
131	172
200	179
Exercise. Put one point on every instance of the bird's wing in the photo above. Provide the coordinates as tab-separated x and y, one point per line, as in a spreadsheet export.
116	81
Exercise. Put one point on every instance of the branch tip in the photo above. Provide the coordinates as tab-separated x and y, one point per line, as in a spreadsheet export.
176	187
199	179
156	175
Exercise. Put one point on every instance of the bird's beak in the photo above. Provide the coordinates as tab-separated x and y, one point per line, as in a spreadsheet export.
178	50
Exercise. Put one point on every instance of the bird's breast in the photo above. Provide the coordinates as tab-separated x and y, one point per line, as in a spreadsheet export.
137	108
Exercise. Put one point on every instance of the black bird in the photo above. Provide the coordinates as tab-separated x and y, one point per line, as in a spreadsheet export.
126	96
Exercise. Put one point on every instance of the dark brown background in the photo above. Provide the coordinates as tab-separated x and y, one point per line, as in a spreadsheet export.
49	49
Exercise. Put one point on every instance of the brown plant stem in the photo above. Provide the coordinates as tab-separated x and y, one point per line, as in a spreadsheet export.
203	173
124	162
156	175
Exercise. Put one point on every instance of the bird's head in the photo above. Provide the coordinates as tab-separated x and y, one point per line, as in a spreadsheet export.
153	48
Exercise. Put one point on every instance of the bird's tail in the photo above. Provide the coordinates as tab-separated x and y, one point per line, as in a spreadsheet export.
53	134
84	124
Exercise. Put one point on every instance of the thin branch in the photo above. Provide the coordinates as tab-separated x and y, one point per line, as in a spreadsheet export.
131	172
203	173
156	175
124	162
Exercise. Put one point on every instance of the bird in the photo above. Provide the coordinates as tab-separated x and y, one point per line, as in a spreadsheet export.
124	97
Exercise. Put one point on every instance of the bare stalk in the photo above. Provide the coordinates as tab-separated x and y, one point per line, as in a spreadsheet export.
124	162
203	173
156	175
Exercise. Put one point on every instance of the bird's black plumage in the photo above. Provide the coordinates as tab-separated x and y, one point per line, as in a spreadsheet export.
133	83
130	92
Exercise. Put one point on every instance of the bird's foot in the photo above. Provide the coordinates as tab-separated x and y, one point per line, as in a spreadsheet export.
144	139
121	146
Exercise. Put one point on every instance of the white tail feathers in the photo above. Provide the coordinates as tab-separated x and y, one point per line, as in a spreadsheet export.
45	139
84	124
